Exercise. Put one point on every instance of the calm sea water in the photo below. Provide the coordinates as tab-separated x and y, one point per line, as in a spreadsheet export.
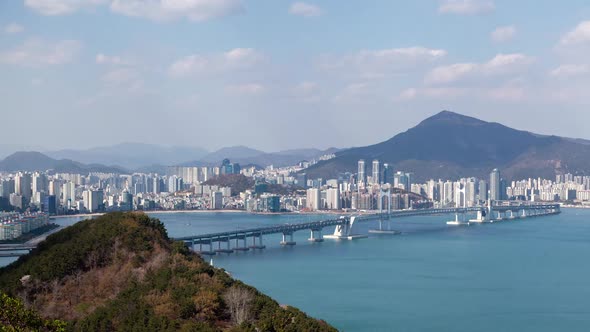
521	275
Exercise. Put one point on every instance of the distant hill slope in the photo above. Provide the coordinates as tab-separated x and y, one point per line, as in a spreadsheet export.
36	161
449	145
233	152
121	272
132	155
248	156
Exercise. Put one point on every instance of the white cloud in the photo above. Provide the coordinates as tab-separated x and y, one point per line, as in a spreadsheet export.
164	10
466	7
305	9
579	35
430	92
35	52
157	10
503	34
248	88
512	91
501	64
306	92
238	58
113	60
352	93
13	28
569	70
60	7
377	63
450	73
119	75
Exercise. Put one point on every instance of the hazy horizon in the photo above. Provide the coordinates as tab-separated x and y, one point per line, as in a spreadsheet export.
284	75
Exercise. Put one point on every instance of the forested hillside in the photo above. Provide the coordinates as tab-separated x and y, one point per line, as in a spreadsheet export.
122	272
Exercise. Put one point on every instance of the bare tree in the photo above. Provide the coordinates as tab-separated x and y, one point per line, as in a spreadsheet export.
238	300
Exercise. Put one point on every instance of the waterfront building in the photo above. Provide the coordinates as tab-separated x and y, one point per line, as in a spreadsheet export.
333	201
495	185
217	200
483	191
313	199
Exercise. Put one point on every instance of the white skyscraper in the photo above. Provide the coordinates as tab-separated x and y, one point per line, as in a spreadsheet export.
69	194
333	199
362	174
22	185
376	172
313	199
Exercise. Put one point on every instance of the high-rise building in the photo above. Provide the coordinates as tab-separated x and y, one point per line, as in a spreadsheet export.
94	200
386	174
175	184
50	204
495	185
22	185
126	203
39	183
402	180
313	199
68	194
470	192
217	200
376	172
483	191
362	172
7	187
157	186
333	199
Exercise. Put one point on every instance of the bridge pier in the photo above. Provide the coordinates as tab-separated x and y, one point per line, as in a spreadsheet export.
254	245
209	252
457	221
289	242
481	217
244	247
226	250
313	237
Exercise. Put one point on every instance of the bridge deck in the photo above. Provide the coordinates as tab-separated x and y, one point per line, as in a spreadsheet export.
289	228
275	229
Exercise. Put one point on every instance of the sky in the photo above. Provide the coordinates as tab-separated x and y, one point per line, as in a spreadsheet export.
277	75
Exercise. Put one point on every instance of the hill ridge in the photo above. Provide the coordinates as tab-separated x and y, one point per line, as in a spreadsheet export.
449	145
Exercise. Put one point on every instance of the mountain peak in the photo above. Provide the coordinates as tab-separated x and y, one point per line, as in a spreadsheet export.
448	117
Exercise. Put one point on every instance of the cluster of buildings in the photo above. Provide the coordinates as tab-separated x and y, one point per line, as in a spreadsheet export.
14	225
374	186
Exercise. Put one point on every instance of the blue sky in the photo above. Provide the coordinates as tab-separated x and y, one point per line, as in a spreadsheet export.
276	74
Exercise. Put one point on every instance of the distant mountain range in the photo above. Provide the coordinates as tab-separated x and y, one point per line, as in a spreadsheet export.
446	146
449	146
131	155
36	161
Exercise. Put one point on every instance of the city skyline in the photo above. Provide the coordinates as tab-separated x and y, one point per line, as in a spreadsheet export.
177	76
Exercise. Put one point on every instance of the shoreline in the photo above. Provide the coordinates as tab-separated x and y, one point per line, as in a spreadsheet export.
86	215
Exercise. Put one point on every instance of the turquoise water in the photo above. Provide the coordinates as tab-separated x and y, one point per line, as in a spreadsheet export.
521	275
